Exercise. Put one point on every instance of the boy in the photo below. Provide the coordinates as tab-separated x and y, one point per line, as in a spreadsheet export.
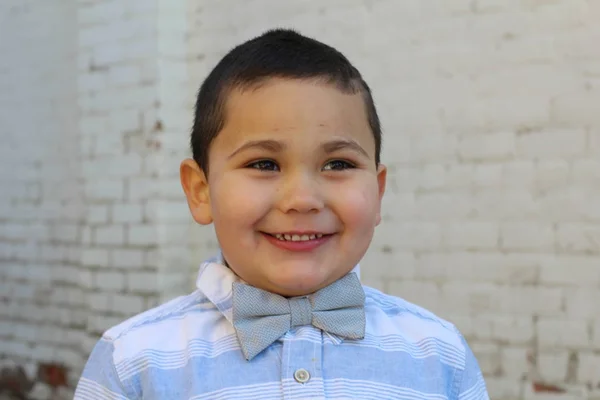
286	144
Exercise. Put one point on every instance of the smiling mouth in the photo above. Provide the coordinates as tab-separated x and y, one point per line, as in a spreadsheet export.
294	237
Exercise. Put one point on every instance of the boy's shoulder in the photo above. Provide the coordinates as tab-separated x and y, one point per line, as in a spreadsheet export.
161	318
394	315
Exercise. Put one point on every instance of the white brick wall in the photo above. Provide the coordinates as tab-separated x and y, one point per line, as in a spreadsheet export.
41	201
492	139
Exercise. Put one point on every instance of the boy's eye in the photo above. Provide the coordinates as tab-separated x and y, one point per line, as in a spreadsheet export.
264	165
337	165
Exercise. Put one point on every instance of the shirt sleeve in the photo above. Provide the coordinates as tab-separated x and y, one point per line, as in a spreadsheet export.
99	380
472	385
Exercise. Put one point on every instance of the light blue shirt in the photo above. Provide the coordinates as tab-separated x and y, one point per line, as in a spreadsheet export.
188	349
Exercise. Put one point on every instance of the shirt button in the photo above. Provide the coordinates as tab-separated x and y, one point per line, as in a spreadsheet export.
301	375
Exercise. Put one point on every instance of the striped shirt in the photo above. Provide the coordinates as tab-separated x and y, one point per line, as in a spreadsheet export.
188	349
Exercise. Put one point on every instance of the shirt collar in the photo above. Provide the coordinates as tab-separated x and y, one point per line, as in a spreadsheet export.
215	280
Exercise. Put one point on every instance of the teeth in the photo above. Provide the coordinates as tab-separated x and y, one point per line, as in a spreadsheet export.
297	238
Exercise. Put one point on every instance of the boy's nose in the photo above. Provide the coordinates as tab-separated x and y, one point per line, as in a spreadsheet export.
300	194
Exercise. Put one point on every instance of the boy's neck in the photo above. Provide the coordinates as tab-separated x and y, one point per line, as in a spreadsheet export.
356	268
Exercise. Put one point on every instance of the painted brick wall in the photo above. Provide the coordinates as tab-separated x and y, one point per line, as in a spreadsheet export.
42	305
492	138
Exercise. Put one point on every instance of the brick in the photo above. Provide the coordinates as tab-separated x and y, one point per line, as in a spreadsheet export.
473	329
99	301
403	179
552	144
488	175
78	317
523	301
504	388
109	281
91	15
120	166
514	330
65	274
124	75
413	235
488	357
579	106
88	84
109	235
596	334
582	303
491	147
91	36
124	121
25	332
142	282
165	210
589	365
142	235
65	232
562	333
586	172
431	177
92	257
553	365
433	148
527	236
433	207
568	204
567	270
524	110
104	189
99	324
470	235
97	214
127	258
579	238
552	174
478	298
50	334
75	297
514	362
425	294
395	264
135	97
139	49
504	205
105	54
594	148
127	304
87	235
25	292
127	213
400	206
140	188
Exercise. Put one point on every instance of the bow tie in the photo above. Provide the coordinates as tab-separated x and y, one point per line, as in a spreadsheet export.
261	317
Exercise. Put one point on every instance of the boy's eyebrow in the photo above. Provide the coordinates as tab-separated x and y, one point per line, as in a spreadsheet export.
340	144
270	145
275	146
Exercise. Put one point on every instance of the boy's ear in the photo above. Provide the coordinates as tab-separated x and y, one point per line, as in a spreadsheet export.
195	185
381	181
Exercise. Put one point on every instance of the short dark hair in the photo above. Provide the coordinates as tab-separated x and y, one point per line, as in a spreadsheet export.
278	53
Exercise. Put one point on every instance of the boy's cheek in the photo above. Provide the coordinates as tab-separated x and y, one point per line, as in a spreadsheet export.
240	202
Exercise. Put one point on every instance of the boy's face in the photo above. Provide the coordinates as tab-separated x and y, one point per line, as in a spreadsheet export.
293	189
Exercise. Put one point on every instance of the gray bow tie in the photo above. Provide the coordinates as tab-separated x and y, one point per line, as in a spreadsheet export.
261	317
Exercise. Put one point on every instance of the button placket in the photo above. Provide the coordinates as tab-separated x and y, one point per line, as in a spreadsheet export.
301	361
